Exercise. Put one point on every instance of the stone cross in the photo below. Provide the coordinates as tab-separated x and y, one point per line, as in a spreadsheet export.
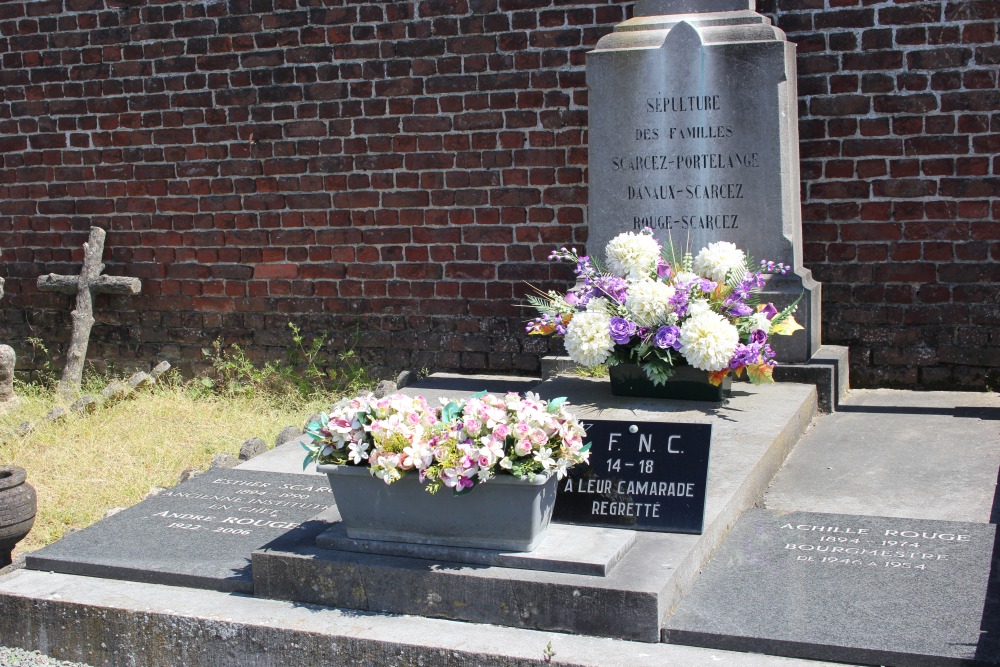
89	282
7	361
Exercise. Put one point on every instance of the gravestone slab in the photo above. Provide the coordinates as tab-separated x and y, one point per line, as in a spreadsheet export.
641	475
694	135
872	590
198	534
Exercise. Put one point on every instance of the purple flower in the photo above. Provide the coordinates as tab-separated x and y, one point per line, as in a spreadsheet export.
758	336
643	332
739	309
679	303
614	287
668	337
706	285
663	270
744	355
622	330
770	311
571	298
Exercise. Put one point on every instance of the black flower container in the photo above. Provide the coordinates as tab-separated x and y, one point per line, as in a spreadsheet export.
687	383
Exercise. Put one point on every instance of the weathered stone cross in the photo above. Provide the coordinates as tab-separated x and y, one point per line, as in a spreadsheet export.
89	282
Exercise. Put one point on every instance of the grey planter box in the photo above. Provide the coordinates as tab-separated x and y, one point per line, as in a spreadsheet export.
504	513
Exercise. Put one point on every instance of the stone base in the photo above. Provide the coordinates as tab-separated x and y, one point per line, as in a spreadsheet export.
565	548
752	434
828	370
289	620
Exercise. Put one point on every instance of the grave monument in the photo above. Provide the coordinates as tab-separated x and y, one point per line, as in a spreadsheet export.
694	135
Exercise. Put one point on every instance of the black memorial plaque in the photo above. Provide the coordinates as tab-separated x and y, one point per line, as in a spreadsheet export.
198	534
641	475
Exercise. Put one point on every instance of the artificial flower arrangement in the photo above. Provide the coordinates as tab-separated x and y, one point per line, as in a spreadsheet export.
657	310
456	446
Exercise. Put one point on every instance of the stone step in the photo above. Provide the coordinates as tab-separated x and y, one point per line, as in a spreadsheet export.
107	622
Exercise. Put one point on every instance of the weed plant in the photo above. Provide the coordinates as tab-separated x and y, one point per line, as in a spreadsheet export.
307	371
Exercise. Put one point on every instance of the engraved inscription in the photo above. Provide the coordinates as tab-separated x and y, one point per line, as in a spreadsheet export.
888	548
682	165
241	506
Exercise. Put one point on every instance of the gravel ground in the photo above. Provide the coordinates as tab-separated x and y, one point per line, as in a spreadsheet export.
15	657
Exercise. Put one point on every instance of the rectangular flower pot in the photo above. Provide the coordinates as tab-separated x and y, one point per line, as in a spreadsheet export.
504	513
687	383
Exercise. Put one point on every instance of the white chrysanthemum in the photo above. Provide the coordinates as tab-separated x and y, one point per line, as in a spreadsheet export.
599	305
698	306
649	303
686	278
588	339
708	341
760	321
717	259
633	255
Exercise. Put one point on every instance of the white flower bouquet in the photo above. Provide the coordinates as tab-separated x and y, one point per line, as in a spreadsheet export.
457	445
658	310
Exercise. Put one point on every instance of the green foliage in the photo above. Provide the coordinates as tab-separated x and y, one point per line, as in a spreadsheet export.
307	371
658	372
45	373
451	411
548	654
787	312
598	371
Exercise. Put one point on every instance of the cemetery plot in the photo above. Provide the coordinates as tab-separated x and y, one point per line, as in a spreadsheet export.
871	590
199	534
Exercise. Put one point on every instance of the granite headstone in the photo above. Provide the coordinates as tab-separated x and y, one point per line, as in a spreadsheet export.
858	589
694	135
198	534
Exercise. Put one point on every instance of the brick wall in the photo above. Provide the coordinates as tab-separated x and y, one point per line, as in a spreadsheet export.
899	122
394	172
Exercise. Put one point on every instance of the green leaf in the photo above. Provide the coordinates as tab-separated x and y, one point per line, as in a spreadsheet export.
450	412
658	372
780	317
479	394
585	448
555	403
308	458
